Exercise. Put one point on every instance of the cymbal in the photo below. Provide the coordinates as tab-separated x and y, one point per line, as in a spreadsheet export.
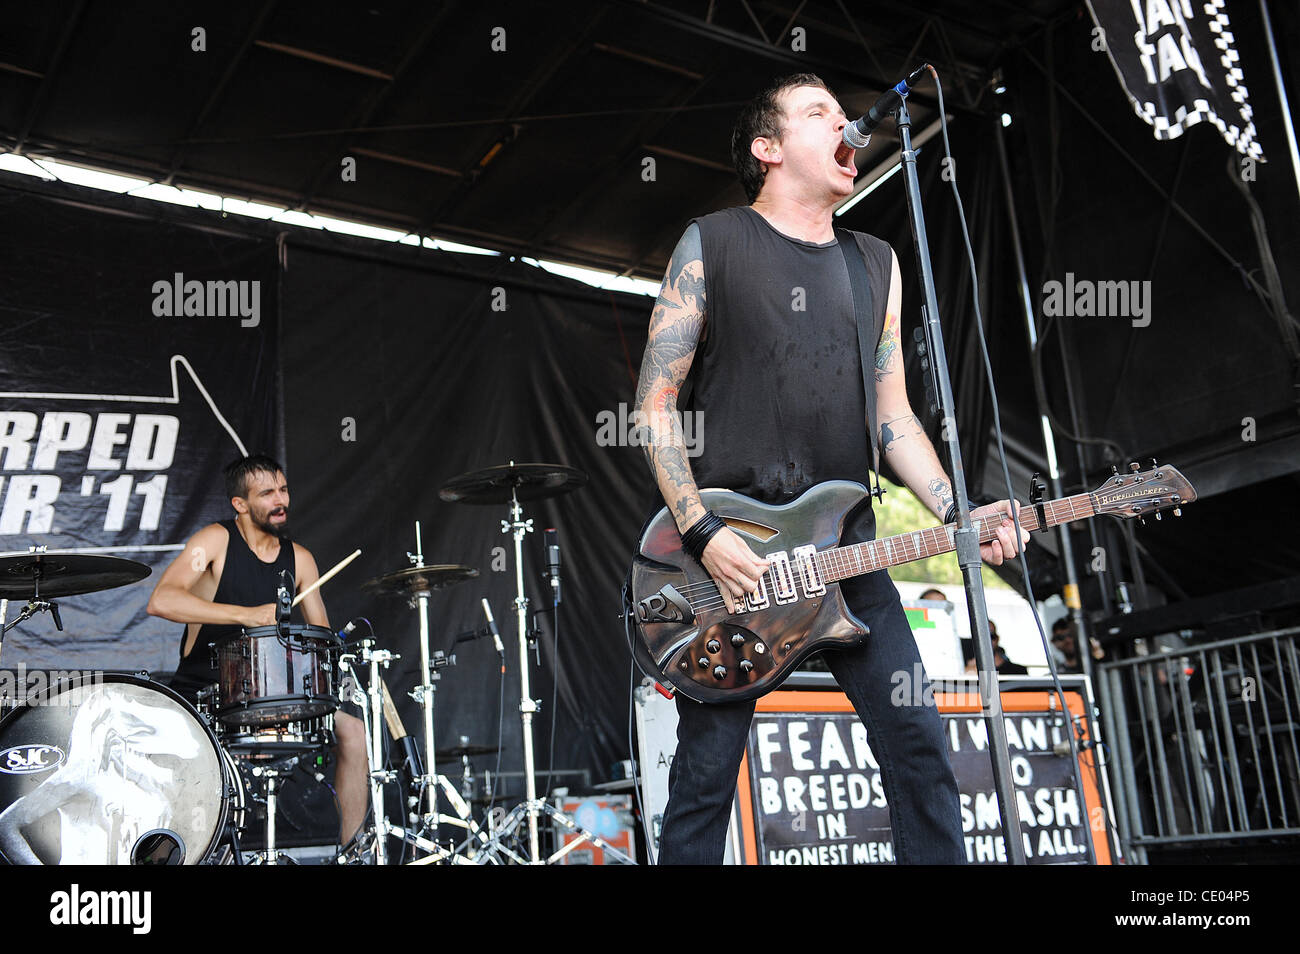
417	579
457	752
496	485
65	574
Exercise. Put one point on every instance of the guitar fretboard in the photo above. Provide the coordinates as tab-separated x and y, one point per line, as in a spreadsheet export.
840	563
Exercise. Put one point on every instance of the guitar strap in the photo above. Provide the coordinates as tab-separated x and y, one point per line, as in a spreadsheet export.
869	331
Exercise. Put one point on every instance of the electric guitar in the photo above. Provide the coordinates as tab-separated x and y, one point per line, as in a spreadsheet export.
686	638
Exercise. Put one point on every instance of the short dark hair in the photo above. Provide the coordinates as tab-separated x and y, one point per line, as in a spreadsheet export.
1061	625
763	116
238	471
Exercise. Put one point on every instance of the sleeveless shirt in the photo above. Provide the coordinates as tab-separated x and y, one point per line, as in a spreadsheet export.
776	384
245	581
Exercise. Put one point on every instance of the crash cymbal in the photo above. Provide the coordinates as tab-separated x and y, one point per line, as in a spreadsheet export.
418	579
457	752
496	485
65	574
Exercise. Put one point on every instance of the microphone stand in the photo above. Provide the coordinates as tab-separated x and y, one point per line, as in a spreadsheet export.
966	536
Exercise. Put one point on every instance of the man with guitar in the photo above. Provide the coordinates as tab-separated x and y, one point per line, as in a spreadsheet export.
756	322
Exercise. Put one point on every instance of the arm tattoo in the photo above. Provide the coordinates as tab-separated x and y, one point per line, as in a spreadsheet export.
690	286
888	347
675	328
942	494
891	432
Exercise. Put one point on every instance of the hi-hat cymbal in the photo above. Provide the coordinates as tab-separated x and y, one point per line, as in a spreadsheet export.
419	579
496	485
465	750
65	574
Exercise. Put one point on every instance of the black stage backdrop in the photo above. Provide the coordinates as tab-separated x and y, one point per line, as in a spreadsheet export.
399	376
1206	381
115	416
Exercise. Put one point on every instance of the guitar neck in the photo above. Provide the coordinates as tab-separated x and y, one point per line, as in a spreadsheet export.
840	563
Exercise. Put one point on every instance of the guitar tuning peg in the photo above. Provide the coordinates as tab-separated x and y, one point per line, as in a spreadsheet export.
1134	466
1159	515
1114	470
1178	511
1153	463
1142	520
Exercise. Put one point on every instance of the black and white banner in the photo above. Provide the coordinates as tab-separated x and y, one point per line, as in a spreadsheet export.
819	795
1179	66
136	360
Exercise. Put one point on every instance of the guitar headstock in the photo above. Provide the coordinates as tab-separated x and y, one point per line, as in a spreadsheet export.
1138	492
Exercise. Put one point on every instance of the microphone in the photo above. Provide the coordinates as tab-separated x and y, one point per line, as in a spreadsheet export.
492	624
346	631
552	542
858	133
284	598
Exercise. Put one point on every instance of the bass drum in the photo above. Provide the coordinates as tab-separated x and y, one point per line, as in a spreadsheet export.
116	771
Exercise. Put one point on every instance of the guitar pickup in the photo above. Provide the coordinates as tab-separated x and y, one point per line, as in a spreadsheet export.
809	574
760	601
783	577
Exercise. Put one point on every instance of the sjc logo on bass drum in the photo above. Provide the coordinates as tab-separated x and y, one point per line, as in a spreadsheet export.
30	759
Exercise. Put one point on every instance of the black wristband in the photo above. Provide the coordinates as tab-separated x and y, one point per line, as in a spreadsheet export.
700	533
950	516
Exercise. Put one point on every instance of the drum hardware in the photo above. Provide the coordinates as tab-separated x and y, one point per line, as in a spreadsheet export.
511	484
270	776
416	583
370	702
261	743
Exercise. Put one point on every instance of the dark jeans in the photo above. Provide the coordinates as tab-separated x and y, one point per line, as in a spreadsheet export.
908	742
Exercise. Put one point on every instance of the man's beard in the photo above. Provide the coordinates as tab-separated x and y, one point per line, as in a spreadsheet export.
280	530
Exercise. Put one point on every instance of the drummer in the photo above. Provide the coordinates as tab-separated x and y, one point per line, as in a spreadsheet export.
219	585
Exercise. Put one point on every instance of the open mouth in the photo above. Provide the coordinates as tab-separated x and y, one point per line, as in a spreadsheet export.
278	515
844	159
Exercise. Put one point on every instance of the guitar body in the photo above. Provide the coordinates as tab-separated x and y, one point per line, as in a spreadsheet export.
686	637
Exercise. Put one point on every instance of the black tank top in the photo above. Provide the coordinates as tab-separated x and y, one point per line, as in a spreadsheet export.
777	381
245	581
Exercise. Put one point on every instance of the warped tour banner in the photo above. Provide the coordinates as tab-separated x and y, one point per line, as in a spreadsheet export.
136	360
811	791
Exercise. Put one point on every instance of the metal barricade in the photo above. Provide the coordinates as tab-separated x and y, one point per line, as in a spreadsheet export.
1206	741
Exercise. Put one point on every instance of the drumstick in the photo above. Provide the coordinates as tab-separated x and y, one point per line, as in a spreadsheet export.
398	731
395	727
315	586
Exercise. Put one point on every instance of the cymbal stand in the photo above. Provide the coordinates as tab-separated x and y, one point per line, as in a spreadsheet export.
518	526
528	707
429	780
370	701
423	695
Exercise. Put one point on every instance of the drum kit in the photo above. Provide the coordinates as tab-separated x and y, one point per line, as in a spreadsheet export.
116	768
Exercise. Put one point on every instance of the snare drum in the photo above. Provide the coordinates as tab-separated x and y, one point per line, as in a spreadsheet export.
272	679
273	742
112	772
